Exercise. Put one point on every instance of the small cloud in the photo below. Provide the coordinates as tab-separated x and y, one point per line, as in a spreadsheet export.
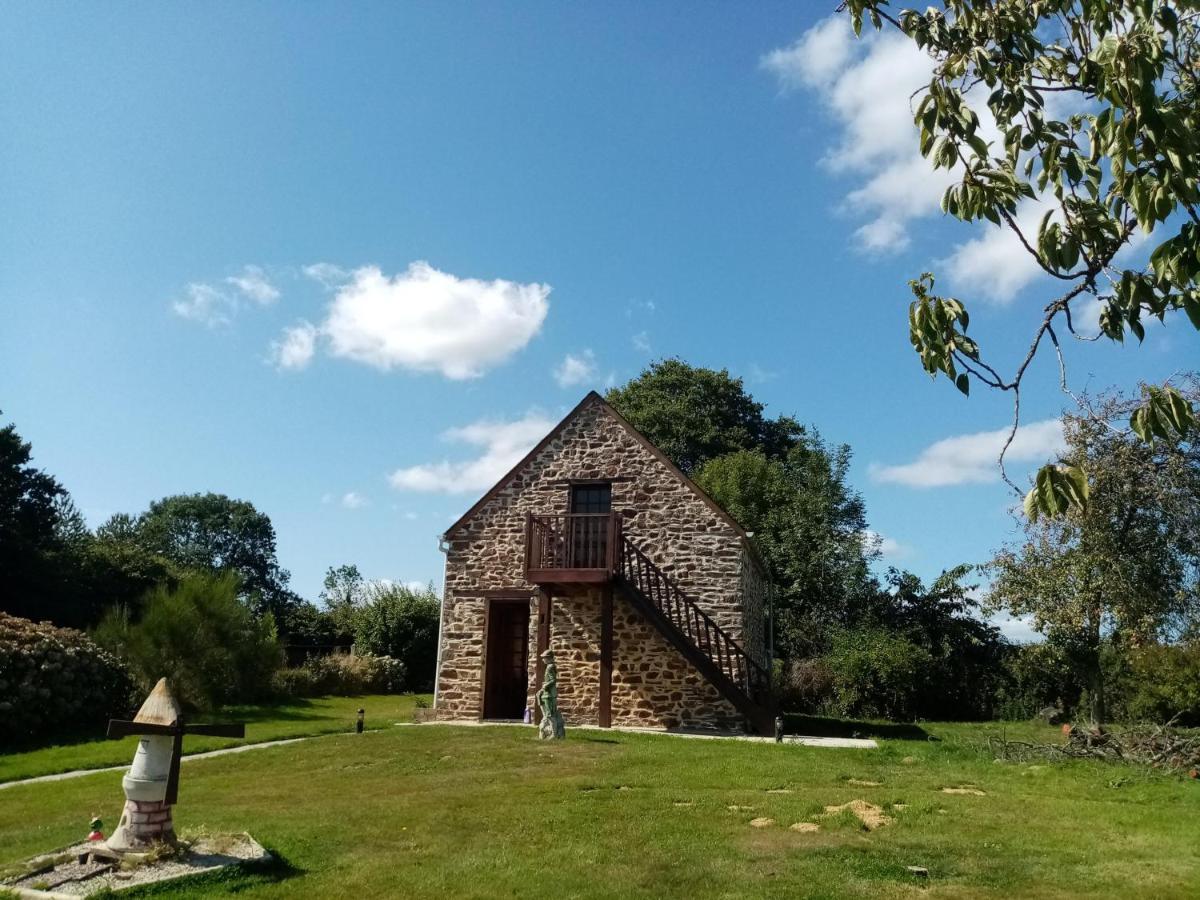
327	498
971	458
206	304
502	445
354	500
253	283
641	342
758	375
326	274
411	516
575	370
426	320
889	548
296	347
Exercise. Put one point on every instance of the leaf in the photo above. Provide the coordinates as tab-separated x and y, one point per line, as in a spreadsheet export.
963	383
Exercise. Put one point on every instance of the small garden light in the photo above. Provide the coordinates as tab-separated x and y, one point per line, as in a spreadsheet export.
358	726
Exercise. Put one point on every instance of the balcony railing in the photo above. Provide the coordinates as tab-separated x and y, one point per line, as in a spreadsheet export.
581	543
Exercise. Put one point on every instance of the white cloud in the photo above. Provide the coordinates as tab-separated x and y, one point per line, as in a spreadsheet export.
867	87
326	274
575	370
354	500
425	320
971	458
889	548
253	283
641	342
295	348
995	264
412	516
1017	630
207	304
501	445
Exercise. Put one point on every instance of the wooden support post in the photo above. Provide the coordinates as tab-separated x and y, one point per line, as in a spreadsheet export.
543	644
606	655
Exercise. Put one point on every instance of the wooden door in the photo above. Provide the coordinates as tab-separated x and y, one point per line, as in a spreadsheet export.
589	532
507	676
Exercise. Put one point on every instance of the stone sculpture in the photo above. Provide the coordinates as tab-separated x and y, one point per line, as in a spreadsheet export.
551	727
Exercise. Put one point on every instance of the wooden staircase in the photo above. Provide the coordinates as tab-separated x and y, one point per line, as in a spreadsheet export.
569	552
719	658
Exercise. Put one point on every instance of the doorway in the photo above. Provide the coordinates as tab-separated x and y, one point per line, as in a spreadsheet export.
506	680
591	504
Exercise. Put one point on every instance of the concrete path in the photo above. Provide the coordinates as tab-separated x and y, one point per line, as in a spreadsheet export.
79	773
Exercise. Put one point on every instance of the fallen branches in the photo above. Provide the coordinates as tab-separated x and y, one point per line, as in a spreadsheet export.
1156	746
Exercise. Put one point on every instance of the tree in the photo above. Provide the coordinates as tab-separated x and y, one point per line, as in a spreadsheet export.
200	635
811	529
402	623
1124	157
778	480
41	538
694	414
1125	569
343	592
214	533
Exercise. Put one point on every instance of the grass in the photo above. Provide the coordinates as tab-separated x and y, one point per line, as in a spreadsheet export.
267	722
438	810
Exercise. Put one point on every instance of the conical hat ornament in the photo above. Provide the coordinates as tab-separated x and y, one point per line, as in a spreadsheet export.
160	707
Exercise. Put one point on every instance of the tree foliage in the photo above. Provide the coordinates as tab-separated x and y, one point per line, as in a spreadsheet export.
200	635
779	481
811	529
402	623
1126	568
694	414
215	533
1092	110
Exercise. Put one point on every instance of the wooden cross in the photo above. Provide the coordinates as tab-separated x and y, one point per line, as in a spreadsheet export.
118	728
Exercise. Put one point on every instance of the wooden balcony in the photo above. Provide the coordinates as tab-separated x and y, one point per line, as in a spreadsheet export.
570	551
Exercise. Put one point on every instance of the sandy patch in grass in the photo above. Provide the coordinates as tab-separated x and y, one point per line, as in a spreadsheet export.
736	808
762	822
780	791
804	827
858	782
869	814
965	790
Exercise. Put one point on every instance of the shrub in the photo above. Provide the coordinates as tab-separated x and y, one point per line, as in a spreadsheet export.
876	673
805	686
402	623
344	675
1036	676
1161	682
202	637
55	681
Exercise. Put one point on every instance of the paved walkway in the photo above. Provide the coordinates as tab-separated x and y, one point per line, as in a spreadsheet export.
79	773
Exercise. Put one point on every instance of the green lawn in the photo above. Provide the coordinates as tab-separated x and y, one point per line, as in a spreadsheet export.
437	810
297	718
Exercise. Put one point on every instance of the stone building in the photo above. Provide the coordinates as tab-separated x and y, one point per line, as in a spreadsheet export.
596	546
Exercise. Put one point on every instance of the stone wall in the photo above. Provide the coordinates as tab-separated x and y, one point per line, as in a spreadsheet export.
663	515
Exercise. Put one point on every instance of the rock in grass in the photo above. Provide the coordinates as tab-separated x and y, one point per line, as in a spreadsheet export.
918	871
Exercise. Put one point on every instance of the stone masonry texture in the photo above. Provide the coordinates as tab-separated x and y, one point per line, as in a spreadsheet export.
653	685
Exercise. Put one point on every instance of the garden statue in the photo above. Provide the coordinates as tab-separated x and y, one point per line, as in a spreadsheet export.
152	783
551	727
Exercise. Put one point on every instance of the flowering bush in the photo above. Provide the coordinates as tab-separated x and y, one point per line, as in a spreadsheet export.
55	680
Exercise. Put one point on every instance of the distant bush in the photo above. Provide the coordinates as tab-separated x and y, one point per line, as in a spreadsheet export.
1034	677
402	623
55	681
876	673
201	636
1160	682
805	686
342	675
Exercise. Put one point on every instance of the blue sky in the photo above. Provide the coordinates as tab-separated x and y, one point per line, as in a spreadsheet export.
346	263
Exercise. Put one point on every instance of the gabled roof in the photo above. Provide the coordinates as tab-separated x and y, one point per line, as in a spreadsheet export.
592	399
